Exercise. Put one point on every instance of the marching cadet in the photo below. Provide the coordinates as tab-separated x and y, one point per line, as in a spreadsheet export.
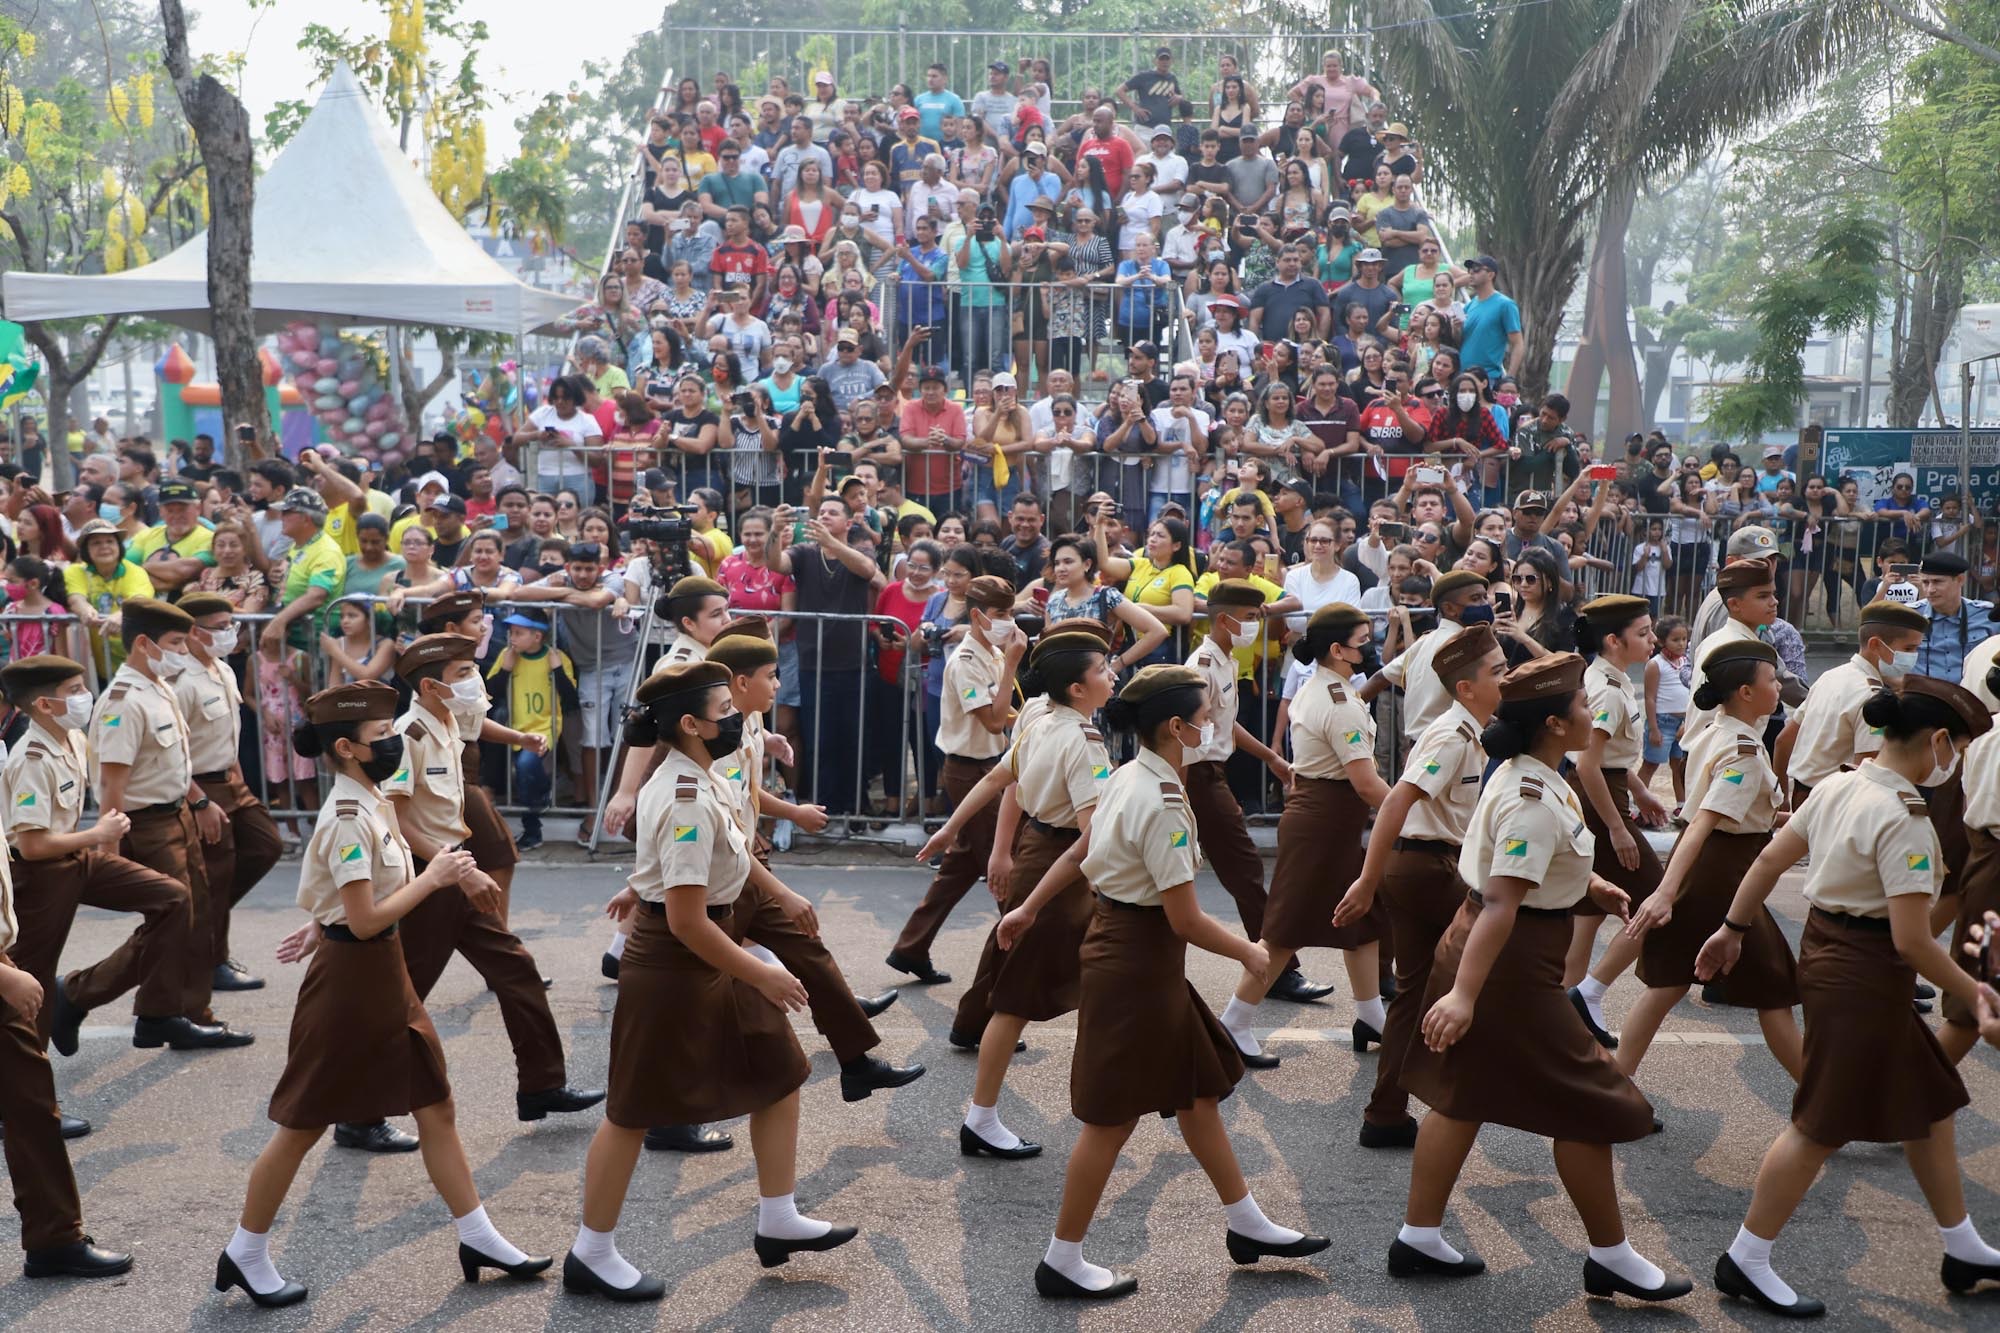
362	1047
142	767
37	1163
1606	778
1872	1071
1826	734
700	1029
1218	818
1732	802
1412	860
1979	883
1460	599
1334	786
1749	593
212	705
1501	1043
977	709
1145	1041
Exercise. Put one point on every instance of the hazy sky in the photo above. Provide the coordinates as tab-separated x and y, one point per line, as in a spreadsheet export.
532	50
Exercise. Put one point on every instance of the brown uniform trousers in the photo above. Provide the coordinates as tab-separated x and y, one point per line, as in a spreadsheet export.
835	1011
964	861
169	842
1422	893
249	847
445	923
153	959
37	1162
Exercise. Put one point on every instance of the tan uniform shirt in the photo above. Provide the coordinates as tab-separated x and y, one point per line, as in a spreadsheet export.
971	681
10	927
430	778
1871	839
1729	773
45	778
682	649
738	775
1424	696
1446	765
1060	765
355	839
1142	839
1730	631
1331	727
1218	670
137	722
1617	711
1982	783
1529	826
211	705
688	834
1977	663
1832	735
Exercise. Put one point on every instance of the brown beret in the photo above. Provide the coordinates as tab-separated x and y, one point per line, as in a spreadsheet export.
990	592
1463	651
450	608
682	678
1453	582
20	678
1069	641
360	701
1738	650
1157	679
743	653
1336	619
199	604
1542	678
1893	615
1961	700
744	627
694	585
151	617
1097	629
1613	611
1234	593
432	649
1740	574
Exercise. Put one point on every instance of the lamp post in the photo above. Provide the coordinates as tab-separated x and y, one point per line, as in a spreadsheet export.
1965	424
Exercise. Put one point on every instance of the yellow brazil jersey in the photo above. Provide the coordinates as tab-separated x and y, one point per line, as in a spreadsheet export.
105	596
533	703
403	525
154	539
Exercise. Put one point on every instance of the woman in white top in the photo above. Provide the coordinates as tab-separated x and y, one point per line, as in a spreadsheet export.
559	429
880	208
1321	579
1141	209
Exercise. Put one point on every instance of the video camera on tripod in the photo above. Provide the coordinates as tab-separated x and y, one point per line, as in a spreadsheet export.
670	527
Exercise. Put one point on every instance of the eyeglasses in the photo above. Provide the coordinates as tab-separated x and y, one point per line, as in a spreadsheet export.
1527	580
1062	411
1319	541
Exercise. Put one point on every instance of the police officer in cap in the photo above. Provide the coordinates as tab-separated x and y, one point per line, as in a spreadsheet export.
1958	623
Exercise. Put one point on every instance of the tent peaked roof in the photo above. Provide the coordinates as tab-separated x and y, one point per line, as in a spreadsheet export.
346	230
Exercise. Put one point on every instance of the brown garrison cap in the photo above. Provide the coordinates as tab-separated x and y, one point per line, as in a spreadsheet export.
1233	593
23	677
1543	678
990	592
682	678
361	701
1613	611
1738	650
747	627
1463	651
431	650
694	585
1740	574
151	617
1157	679
1336	619
742	653
1097	629
1961	700
199	604
1453	582
453	607
1068	641
1893	615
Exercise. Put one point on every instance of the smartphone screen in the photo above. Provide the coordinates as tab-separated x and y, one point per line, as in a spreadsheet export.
1603	472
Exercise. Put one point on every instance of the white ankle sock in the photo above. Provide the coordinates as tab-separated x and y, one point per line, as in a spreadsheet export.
1592	990
1629	1264
478	1231
1752	1254
1429	1240
1962	1242
616	949
1247	1219
597	1251
985	1122
1372	1012
779	1219
251	1251
1237	1017
1066	1257
761	954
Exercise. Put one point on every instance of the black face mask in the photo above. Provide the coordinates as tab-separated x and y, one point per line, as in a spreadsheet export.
728	737
1371	658
1478	613
384	758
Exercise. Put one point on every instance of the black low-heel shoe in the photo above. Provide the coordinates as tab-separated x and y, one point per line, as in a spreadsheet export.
971	1145
1053	1284
1406	1260
1732	1281
1960	1275
1601	1281
579	1280
228	1275
1365	1033
965	1043
1582	1007
470	1261
1244	1250
1261	1060
771	1251
1403	1135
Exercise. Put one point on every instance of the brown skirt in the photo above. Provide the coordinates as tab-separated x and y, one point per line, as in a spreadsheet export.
1319	854
1638	884
1527	1061
1039	978
1034	852
1873	1071
690	1044
1765	976
1947	806
487	837
1146	1042
362	1048
1979	892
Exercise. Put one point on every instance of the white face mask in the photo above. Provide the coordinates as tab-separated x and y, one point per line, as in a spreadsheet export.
850	219
76	710
222	642
1466	401
1941	773
172	664
1207	736
781	365
1899	664
468	696
1000	633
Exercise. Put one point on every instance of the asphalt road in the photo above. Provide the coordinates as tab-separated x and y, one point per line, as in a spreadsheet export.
946	1243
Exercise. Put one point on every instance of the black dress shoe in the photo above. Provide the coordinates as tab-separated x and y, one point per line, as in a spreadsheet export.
1962	1275
965	1043
73	1127
1293	986
1244	1250
1713	992
1921	1006
579	1279
83	1259
971	1145
921	970
1053	1284
1604	1039
771	1251
1258	1061
1364	1033
470	1261
537	1105
184	1034
687	1138
381	1136
228	1275
1402	1135
608	966
548	983
68	1021
1926	991
232	975
1601	1281
1732	1281
1406	1260
1659	1125
865	1074
875	1004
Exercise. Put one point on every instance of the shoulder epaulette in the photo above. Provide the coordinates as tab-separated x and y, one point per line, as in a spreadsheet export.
1746	746
1916	806
1337	690
1531	789
687	789
1092	734
1465	730
347	809
1170	794
35	748
118	691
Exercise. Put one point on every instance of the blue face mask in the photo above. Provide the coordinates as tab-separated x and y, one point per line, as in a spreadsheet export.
110	513
1479	613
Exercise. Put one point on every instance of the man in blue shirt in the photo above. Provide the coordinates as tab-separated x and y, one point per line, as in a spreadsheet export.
1904	513
1033	181
1492	323
1958	623
923	272
1142	299
936	102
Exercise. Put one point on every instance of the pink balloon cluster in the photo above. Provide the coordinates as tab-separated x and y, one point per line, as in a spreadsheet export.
340	377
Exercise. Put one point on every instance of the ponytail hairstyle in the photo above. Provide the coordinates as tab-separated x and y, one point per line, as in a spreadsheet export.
1908	714
1144	719
1518	724
1993	680
1724	679
666	698
1053	674
1326	630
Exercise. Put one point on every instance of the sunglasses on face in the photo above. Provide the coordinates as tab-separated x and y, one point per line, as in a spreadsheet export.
1319	541
1526	579
1427	538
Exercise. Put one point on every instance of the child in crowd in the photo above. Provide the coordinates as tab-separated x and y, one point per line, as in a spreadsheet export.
27	595
284	679
355	653
1669	680
537	686
1651	563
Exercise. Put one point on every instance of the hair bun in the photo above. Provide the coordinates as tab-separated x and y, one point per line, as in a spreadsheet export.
1882	709
305	741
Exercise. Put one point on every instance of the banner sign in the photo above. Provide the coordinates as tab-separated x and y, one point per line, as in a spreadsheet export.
1875	457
